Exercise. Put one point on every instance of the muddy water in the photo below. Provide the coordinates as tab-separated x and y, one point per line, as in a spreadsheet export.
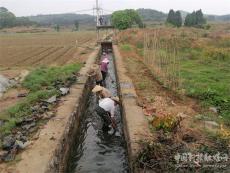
94	150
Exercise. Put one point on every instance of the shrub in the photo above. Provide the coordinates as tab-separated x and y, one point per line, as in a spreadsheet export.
167	123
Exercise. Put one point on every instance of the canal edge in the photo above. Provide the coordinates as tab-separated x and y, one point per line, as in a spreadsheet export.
135	124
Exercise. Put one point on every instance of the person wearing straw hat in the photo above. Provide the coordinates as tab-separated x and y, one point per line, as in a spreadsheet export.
94	71
106	110
101	92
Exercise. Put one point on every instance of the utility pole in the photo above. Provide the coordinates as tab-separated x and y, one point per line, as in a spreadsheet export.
97	18
97	11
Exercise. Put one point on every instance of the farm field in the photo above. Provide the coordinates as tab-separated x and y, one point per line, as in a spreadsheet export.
48	48
204	58
195	116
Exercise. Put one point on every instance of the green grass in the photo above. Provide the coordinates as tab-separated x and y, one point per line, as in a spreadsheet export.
126	47
41	84
207	77
45	77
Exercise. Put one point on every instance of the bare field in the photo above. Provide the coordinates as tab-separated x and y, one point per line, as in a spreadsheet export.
49	48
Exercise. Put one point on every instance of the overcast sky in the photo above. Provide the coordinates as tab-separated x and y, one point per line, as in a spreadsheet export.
34	7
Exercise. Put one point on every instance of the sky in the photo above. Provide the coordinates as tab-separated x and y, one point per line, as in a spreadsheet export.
35	7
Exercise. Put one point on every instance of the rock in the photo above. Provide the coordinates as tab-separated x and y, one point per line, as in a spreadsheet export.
4	84
11	155
52	99
23	138
28	126
64	91
20	145
48	115
20	137
28	120
35	108
8	142
213	109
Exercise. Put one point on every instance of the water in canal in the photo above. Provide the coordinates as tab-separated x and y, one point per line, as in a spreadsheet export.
96	151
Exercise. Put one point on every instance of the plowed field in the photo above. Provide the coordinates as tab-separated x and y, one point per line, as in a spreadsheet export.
51	48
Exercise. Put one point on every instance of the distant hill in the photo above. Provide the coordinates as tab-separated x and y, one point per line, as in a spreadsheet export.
148	16
222	18
64	19
152	15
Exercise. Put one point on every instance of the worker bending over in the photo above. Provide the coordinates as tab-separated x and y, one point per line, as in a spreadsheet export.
101	92
106	110
95	72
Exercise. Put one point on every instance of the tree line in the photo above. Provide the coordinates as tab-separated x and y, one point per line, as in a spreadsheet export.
124	19
8	19
195	19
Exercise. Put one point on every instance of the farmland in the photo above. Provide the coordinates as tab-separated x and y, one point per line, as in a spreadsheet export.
49	48
201	99
203	56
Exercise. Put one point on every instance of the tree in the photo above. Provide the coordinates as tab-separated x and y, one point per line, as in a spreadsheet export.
170	16
76	24
124	19
174	18
195	19
200	17
178	19
135	17
7	19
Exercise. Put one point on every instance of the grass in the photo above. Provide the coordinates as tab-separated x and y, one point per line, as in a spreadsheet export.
126	47
204	62
208	79
41	84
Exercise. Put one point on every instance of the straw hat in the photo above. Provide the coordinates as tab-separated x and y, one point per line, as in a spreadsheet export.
97	88
92	70
116	99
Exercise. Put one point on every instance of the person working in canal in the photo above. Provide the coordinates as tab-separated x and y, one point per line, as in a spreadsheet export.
104	66
106	109
95	72
101	92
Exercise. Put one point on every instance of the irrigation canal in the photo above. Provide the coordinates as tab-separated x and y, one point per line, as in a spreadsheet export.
95	151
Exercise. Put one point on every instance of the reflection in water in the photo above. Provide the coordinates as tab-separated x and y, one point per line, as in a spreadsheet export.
97	151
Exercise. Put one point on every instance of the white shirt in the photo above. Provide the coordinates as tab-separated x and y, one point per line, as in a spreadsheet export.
108	105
